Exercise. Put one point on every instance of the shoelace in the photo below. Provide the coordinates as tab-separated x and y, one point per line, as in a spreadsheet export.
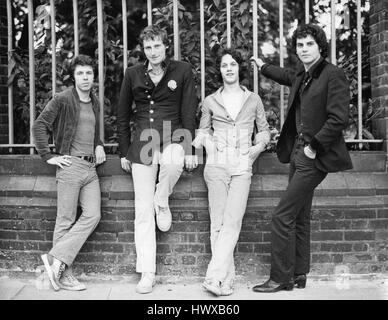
62	267
71	278
162	210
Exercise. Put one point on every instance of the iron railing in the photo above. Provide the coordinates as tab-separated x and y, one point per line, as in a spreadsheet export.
176	46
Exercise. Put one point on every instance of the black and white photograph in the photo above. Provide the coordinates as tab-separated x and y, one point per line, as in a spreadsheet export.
194	158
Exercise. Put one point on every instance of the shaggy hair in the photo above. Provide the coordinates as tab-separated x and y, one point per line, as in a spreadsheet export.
81	60
153	32
236	55
316	32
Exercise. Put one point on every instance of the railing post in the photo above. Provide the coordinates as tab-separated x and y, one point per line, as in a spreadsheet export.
10	87
359	72
255	46
177	51
149	12
100	31
307	11
202	44
53	48
125	35
281	58
76	29
31	68
333	33
228	28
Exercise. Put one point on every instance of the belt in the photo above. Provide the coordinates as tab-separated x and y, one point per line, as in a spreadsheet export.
86	158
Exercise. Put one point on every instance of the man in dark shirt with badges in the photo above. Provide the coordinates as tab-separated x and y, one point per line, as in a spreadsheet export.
159	97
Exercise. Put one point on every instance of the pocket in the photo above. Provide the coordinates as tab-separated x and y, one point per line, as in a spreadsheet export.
307	155
305	158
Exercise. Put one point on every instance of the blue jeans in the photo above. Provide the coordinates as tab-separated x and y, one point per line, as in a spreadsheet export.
75	183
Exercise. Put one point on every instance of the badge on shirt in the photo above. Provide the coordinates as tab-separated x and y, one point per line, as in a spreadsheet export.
172	85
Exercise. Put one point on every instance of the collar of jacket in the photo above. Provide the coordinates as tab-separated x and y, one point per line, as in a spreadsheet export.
218	97
92	97
315	70
165	64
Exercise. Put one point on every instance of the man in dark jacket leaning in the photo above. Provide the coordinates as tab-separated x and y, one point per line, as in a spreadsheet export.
73	118
159	97
311	141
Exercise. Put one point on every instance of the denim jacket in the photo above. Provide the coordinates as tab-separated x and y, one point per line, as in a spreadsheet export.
60	116
232	136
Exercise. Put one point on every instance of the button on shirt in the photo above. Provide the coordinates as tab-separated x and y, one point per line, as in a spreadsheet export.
232	138
170	108
302	88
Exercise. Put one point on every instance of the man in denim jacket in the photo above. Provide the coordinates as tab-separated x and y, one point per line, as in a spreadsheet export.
73	117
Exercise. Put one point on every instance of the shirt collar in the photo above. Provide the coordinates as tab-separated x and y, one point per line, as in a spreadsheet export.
314	70
311	70
217	94
165	63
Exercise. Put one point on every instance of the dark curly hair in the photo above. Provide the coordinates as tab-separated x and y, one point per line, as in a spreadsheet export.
81	60
316	32
236	55
153	31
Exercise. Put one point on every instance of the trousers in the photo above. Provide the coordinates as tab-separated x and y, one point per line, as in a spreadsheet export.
147	192
75	183
290	225
228	196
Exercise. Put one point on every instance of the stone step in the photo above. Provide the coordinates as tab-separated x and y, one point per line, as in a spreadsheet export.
190	186
267	163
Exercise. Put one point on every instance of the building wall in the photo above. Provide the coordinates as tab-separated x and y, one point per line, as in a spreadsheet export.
379	66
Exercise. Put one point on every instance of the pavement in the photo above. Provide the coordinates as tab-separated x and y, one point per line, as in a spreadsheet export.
36	286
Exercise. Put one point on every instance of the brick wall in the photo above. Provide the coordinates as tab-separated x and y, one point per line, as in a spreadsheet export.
379	66
353	237
349	220
3	74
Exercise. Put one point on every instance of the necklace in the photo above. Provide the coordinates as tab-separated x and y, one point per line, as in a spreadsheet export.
85	101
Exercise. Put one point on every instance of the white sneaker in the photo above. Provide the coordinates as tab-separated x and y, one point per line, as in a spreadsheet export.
69	282
146	282
163	217
227	288
54	271
213	286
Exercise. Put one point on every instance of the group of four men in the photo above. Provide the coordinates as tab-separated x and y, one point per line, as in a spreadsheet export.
159	97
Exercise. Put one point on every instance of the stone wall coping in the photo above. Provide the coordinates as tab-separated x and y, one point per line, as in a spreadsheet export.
363	161
120	187
196	205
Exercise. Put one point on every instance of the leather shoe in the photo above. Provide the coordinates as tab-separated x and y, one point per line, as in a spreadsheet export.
272	286
300	281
